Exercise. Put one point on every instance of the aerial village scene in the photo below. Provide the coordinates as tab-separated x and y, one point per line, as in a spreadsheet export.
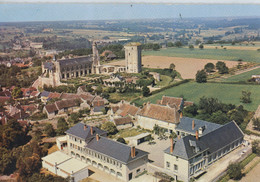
129	92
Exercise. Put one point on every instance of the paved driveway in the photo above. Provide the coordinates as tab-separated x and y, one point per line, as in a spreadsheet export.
156	153
221	165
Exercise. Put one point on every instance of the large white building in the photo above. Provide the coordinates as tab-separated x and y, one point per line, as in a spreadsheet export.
89	145
190	156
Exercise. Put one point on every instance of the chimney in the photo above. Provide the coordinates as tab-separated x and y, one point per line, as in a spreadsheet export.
197	135
181	115
85	127
133	151
91	130
171	149
193	124
97	137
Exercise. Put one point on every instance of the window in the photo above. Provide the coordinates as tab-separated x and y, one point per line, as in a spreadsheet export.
177	158
168	164
138	170
175	167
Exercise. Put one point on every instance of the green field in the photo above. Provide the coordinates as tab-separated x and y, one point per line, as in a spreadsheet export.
242	77
216	54
227	93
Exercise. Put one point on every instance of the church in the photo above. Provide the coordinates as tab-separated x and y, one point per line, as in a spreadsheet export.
55	71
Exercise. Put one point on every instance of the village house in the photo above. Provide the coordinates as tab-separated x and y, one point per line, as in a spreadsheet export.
176	102
62	107
190	156
89	145
123	123
164	116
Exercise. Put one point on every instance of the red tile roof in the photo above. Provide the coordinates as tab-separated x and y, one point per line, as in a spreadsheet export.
122	121
54	95
4	99
127	109
159	112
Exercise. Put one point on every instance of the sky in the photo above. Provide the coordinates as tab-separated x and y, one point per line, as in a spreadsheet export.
13	12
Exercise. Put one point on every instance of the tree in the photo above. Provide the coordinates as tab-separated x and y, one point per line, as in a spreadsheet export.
201	46
245	98
239	63
178	44
191	46
121	140
201	76
99	90
256	123
235	171
145	91
172	66
156	47
62	126
74	118
221	67
17	92
256	147
109	127
209	67
49	131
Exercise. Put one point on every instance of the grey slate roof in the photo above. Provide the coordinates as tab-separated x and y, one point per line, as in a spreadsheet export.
114	149
183	149
186	125
222	136
212	141
78	131
45	94
98	108
75	61
48	65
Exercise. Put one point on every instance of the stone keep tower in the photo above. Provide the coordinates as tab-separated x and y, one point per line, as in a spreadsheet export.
96	58
133	57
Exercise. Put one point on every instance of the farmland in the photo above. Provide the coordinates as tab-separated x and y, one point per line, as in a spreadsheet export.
187	67
227	93
242	77
215	54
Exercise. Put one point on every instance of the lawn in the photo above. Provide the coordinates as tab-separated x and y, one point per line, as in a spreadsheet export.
242	77
216	54
124	96
227	93
129	132
165	81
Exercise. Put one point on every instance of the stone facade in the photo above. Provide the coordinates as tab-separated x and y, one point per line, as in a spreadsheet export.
55	71
133	58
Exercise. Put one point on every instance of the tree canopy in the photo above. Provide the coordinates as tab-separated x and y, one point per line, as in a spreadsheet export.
201	76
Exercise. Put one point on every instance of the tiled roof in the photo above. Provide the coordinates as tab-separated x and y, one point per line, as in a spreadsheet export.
3	99
212	141
127	109
186	125
122	121
114	149
177	102
51	108
75	61
67	103
35	93
78	131
54	95
159	112
69	96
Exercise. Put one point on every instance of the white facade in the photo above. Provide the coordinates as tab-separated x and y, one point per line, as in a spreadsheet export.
149	123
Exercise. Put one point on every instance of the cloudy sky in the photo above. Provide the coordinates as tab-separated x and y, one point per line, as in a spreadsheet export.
14	12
